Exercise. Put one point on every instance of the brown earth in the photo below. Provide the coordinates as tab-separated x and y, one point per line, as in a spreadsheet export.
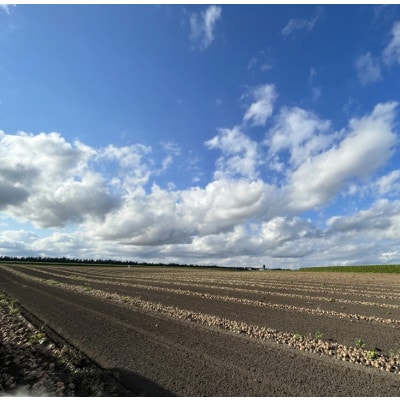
170	356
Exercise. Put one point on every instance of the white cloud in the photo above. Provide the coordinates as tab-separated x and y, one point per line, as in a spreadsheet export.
51	182
11	193
391	53
368	69
143	219
6	8
202	26
301	24
184	215
381	221
17	242
276	241
299	131
367	146
369	236
172	150
388	184
252	63
279	230
69	201
235	219
127	166
259	111
223	204
239	154
255	63
266	67
126	156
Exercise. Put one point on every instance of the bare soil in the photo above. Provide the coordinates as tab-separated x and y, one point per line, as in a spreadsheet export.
159	353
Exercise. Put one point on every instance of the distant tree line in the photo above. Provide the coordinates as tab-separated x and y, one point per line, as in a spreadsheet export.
62	260
109	262
91	261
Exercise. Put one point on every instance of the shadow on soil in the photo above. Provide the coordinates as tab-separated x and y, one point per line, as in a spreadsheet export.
90	378
87	382
137	385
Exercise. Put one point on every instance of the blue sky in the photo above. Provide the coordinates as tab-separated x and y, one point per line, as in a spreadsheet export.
207	134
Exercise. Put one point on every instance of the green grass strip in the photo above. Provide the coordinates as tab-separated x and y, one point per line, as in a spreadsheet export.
393	269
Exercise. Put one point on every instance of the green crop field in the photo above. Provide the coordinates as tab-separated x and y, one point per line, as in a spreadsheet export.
356	268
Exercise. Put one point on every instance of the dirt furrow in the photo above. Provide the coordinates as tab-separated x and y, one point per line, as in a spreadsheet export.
215	362
378	333
284	288
368	311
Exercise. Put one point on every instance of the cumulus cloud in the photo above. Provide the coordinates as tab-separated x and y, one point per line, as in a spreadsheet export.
300	132
239	154
368	69
127	166
50	182
279	240
19	242
296	24
202	26
369	236
388	184
366	147
391	53
234	219
218	207
223	204
144	219
69	201
283	229
381	221
261	109
172	150
11	194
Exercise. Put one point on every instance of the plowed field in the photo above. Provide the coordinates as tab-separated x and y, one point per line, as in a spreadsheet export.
177	331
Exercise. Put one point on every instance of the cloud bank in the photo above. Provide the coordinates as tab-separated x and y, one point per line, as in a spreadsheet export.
105	202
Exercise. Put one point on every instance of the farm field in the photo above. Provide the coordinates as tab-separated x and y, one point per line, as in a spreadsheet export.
199	332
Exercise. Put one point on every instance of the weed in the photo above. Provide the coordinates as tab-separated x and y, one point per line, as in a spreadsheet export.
331	300
3	300
372	354
318	335
75	356
126	299
13	307
298	336
359	343
37	338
